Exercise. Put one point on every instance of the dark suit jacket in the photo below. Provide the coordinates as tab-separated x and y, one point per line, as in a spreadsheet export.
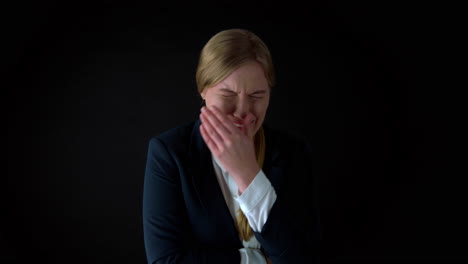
185	216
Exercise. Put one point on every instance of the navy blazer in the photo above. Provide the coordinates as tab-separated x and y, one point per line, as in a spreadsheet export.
185	216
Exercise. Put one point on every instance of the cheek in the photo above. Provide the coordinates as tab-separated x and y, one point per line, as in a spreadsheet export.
260	108
224	105
227	105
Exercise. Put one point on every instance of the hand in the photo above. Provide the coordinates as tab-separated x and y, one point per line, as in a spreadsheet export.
232	147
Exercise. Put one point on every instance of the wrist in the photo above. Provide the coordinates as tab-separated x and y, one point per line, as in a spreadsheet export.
246	178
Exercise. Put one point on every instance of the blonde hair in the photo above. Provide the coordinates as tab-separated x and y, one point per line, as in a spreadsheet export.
222	54
228	50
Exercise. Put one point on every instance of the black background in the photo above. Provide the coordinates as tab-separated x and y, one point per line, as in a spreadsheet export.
87	85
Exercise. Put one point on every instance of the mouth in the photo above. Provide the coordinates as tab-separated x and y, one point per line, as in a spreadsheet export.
244	127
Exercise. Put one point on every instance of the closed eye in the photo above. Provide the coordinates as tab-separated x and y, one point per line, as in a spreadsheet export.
234	94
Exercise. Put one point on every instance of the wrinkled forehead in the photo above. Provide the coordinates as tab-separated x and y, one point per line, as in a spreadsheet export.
248	77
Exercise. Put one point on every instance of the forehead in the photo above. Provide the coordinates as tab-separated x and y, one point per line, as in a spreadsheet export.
247	77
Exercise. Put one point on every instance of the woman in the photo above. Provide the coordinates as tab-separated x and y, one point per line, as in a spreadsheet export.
226	188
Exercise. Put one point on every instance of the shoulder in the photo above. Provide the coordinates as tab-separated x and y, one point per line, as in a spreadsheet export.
175	139
176	133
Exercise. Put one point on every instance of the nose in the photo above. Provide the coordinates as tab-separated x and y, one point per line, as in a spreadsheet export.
242	108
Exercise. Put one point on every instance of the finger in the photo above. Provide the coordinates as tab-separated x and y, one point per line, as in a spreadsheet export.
228	125
212	132
216	124
208	140
249	119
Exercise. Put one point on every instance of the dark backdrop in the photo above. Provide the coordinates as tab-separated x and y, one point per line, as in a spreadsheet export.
87	85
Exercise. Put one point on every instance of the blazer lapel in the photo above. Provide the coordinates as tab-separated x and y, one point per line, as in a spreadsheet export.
206	184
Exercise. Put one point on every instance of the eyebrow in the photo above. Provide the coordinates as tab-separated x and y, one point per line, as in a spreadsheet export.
231	91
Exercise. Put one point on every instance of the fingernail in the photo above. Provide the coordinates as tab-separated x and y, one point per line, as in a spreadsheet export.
203	109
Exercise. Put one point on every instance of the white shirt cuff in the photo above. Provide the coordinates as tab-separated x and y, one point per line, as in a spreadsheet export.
256	201
252	256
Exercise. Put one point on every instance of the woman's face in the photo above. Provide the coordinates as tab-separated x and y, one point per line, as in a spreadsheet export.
245	91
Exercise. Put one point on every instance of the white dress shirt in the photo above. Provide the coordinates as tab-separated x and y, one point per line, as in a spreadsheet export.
255	202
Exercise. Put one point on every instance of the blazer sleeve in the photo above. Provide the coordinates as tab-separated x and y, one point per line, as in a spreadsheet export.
291	233
166	228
